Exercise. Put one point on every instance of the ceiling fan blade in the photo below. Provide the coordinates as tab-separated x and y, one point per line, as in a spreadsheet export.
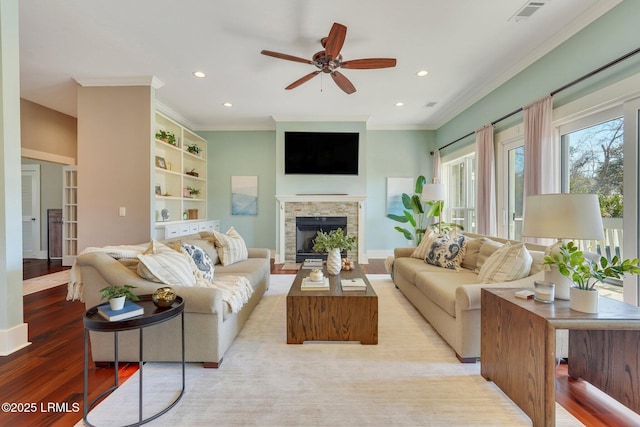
301	80
335	40
363	64
287	57
343	82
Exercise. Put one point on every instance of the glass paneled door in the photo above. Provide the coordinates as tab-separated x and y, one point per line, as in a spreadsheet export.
515	190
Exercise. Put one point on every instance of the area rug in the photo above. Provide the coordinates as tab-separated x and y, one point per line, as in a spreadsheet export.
411	378
47	281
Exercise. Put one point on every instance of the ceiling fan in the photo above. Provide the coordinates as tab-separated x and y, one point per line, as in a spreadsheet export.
329	60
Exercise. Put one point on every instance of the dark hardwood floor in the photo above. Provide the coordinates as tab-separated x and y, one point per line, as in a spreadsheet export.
50	370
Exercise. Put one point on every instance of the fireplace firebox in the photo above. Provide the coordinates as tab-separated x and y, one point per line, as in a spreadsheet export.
306	230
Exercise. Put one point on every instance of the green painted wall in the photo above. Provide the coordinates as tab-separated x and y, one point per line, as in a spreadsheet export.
386	153
613	35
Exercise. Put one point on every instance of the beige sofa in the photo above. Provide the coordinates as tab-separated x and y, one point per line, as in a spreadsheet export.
210	326
450	299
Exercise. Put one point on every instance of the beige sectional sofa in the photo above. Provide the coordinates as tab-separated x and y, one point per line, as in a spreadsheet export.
210	325
450	299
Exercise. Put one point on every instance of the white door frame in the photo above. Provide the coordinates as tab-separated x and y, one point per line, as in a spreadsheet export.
34	220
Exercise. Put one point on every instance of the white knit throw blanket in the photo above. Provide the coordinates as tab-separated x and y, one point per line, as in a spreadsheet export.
235	290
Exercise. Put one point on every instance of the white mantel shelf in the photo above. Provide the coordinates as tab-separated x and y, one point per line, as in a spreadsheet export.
320	198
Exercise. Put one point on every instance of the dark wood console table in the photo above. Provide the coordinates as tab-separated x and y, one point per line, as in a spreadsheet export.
518	349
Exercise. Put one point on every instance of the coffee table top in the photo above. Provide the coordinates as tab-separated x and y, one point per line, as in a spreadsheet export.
335	287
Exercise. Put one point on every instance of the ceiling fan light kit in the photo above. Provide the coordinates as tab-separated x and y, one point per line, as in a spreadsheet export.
329	60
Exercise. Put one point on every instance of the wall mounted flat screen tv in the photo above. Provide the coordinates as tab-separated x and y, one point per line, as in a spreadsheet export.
321	153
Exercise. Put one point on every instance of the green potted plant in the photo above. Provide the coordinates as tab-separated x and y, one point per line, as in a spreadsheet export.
166	136
585	273
117	295
194	149
193	191
415	214
333	243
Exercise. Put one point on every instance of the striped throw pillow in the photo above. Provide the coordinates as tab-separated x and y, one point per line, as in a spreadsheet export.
231	247
510	262
160	263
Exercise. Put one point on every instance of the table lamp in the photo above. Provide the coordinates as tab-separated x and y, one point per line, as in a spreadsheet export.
563	216
434	192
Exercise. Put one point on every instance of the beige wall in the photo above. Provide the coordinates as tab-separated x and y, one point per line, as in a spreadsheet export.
114	165
47	134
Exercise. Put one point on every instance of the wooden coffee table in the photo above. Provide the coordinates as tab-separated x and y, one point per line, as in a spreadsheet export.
333	315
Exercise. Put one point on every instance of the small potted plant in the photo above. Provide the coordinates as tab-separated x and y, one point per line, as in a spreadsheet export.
194	149
168	137
586	273
117	295
193	191
333	243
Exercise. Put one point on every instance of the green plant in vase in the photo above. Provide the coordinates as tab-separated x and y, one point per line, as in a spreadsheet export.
333	243
194	149
193	191
166	136
117	295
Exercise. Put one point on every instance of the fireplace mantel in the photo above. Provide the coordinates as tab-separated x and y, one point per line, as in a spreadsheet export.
324	203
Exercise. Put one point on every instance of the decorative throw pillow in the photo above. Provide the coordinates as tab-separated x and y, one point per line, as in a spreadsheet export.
471	252
160	263
231	247
421	250
510	262
486	250
202	260
447	252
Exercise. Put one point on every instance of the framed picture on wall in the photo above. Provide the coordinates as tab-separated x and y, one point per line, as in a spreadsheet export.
395	187
244	195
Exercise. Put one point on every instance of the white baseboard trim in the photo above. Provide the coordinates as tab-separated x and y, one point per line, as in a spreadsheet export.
14	339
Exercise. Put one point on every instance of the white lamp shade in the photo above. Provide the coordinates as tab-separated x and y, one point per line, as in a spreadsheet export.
563	216
433	192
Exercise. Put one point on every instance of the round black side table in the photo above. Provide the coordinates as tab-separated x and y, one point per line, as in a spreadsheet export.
153	315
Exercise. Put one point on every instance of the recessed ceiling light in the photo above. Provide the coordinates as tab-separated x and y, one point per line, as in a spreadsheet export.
228	104
422	73
199	74
399	104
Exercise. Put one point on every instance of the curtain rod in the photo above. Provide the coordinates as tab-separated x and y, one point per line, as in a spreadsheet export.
560	89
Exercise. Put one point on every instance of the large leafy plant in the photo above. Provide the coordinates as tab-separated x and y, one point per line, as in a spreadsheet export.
584	272
416	213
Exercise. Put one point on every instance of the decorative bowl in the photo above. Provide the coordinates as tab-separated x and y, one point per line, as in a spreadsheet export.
164	297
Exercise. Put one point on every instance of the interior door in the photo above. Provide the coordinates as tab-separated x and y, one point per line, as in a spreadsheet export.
515	190
30	211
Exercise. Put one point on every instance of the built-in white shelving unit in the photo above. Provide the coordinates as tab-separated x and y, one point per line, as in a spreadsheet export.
69	214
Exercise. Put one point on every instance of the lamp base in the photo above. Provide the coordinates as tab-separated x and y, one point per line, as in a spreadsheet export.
563	284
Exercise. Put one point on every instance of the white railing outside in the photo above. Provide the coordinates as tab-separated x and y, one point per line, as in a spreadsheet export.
612	243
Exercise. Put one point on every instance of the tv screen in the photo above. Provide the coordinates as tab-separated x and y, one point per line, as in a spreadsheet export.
321	153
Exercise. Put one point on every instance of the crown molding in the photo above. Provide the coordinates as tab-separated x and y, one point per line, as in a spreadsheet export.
152	81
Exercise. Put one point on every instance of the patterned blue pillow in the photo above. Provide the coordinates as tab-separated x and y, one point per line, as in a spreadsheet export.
447	252
202	260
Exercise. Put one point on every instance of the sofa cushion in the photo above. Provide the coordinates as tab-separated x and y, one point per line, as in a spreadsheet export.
207	245
440	287
537	263
471	252
202	260
231	247
409	267
447	252
425	244
160	263
510	262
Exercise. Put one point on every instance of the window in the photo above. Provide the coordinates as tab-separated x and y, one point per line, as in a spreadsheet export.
592	162
459	177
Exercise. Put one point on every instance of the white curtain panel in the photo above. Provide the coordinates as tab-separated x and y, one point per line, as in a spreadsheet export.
539	171
486	219
437	168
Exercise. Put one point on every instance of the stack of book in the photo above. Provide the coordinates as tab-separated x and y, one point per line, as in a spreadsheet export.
356	284
310	285
311	263
130	309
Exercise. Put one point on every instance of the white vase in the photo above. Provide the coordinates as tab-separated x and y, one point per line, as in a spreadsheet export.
584	300
117	303
334	262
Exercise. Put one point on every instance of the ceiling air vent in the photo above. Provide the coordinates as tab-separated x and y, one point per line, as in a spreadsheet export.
526	11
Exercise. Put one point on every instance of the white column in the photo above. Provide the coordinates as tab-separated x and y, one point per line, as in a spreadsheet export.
13	330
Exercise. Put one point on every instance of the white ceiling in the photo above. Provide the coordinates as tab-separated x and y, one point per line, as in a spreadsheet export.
468	47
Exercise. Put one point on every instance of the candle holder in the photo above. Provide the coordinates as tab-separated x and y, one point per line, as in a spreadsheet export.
544	291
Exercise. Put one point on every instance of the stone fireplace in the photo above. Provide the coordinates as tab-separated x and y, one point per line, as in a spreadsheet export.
307	228
320	206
